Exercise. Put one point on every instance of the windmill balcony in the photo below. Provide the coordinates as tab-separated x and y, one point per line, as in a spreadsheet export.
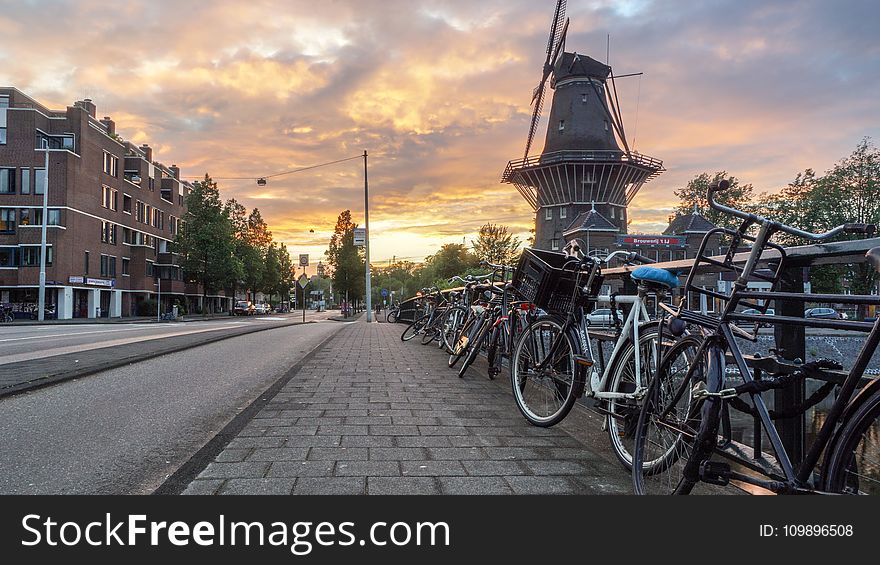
570	156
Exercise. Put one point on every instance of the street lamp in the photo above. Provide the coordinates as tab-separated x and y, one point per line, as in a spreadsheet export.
367	241
41	306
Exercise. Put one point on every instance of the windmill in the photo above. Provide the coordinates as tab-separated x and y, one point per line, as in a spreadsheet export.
586	174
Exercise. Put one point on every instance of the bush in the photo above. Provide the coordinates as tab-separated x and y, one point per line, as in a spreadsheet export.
148	307
181	307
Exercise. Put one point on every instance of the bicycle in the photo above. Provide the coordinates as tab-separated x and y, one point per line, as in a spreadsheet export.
553	361
6	315
677	446
433	301
482	298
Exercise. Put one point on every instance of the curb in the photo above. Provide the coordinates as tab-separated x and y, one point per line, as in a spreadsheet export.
56	378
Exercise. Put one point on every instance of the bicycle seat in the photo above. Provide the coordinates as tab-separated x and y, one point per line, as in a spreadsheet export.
653	275
873	256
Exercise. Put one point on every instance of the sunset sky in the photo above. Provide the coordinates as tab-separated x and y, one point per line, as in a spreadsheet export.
438	92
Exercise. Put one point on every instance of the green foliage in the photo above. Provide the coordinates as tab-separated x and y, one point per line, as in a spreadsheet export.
147	307
205	243
346	259
693	197
496	244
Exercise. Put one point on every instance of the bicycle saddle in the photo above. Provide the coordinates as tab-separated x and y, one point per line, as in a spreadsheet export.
873	256
656	276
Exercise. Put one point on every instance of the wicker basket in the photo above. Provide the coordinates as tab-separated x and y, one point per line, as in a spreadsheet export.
540	279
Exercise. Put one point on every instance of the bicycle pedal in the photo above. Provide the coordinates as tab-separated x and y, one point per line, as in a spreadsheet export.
715	473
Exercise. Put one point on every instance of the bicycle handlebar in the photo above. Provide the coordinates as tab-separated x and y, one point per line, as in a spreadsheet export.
724	184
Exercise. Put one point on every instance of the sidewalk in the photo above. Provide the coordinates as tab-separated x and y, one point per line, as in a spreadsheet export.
369	414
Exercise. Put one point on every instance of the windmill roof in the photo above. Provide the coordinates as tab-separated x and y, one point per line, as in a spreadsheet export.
575	64
590	221
689	223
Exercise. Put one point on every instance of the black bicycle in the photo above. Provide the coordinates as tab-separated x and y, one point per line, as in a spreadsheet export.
678	449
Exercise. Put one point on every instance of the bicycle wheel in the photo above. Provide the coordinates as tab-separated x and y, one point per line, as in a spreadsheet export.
623	413
391	316
545	395
414	328
676	434
430	331
854	466
464	335
450	324
475	345
668	421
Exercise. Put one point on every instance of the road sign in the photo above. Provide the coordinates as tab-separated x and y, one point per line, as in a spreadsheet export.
304	260
303	280
360	236
384	292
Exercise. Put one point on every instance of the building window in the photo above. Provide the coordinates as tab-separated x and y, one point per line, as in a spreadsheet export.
613	212
548	213
25	181
7	181
24	217
39	181
109	198
561	126
125	266
85	262
2	136
141	209
8	256
150	272
54	217
7	220
111	164
30	256
4	102
108	266
126	203
554	244
563	213
584	97
108	233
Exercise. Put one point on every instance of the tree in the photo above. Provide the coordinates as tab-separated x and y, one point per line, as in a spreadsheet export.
452	259
694	197
848	192
496	244
271	281
258	238
206	242
346	259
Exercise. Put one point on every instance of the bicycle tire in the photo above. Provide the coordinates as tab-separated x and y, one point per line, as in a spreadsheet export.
663	441
530	390
391	316
847	459
474	346
430	331
450	324
414	328
623	413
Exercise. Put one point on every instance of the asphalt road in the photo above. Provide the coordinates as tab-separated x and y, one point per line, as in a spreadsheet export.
124	431
21	343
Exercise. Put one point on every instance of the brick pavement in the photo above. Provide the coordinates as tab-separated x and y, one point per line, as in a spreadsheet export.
369	414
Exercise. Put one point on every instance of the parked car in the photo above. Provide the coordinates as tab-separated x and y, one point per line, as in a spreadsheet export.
824	313
262	308
602	317
243	308
754	312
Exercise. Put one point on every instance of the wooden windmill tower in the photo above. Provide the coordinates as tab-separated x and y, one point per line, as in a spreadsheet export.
583	180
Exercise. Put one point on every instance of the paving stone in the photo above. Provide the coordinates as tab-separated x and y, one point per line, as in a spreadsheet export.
301	469
249	442
244	470
479	468
457	453
258	486
397	454
279	454
330	485
313	441
544	485
367	441
474	485
554	467
432	468
402	485
203	486
339	453
233	455
423	441
367	468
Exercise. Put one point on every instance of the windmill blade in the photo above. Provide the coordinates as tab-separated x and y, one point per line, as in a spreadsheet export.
559	52
555	28
536	116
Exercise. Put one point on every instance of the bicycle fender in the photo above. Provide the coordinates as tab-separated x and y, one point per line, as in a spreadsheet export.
854	404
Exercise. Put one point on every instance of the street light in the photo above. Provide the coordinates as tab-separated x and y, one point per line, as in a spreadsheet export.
41	307
367	241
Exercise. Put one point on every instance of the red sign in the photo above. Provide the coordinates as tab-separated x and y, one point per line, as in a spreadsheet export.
650	240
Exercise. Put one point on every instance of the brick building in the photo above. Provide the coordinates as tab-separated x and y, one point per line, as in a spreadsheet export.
112	213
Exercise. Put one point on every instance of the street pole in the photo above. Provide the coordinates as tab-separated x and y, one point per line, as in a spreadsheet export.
41	308
159	299
304	297
367	239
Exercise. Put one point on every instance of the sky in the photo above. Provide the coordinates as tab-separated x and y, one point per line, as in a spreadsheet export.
438	93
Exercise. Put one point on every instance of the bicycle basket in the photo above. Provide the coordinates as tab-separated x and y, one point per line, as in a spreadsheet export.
540	279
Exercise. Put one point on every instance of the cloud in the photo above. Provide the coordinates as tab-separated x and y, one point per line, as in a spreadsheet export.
438	93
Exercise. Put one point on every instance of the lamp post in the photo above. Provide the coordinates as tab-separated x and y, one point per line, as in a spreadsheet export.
367	240
41	300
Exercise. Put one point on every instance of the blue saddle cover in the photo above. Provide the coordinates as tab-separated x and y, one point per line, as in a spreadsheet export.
655	275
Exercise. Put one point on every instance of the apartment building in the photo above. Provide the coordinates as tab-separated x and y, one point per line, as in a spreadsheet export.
112	213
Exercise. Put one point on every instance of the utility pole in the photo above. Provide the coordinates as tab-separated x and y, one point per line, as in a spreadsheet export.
367	240
41	307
